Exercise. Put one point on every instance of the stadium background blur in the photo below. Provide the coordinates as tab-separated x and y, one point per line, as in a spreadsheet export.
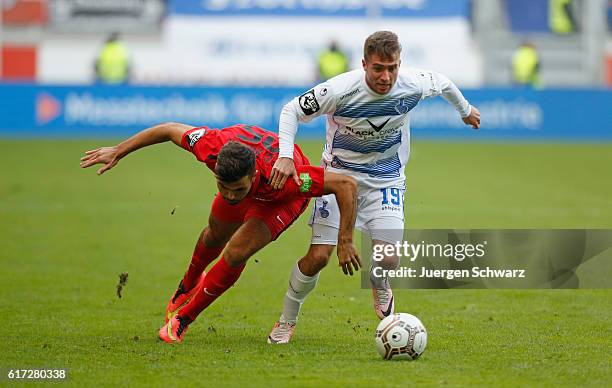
541	160
220	62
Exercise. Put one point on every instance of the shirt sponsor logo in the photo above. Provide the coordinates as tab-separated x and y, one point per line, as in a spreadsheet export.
194	136
309	103
349	94
372	134
377	128
306	182
364	134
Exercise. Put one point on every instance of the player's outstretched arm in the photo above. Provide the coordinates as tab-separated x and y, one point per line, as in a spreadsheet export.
110	156
435	84
284	168
345	189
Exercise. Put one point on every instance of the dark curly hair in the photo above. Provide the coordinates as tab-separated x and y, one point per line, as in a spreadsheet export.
235	161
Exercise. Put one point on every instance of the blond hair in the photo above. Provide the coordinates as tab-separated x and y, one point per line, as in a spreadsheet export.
385	44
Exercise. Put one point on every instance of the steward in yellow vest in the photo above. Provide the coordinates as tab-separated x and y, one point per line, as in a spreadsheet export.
332	62
560	17
526	66
112	65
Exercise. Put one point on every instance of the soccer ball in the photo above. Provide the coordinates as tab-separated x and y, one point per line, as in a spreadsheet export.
401	336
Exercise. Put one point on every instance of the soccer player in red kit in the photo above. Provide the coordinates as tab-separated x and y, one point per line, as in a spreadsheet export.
246	214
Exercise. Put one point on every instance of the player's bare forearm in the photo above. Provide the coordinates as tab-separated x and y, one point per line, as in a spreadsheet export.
345	190
110	156
157	134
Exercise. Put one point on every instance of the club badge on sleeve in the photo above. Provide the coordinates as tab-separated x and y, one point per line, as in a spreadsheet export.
194	136
309	103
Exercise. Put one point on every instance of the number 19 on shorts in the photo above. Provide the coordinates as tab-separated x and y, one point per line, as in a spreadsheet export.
392	196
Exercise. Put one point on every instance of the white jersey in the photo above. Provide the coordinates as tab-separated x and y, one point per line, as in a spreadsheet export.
368	134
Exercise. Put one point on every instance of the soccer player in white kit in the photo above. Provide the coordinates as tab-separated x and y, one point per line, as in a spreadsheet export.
367	138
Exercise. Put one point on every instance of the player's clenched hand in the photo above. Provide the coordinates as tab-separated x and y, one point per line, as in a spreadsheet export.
108	156
348	258
473	118
283	168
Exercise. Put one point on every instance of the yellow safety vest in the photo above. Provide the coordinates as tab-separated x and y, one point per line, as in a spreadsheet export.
558	19
525	66
332	63
113	63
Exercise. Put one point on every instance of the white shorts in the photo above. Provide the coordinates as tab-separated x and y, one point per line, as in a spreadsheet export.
380	213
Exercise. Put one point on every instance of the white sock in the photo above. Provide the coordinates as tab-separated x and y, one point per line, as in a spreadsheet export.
300	286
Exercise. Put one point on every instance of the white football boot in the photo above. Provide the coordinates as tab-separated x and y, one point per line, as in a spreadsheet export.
384	304
281	333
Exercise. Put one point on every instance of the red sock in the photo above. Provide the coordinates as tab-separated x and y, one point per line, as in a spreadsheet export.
202	256
220	277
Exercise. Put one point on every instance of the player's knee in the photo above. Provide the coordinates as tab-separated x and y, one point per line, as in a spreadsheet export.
316	259
213	238
235	255
319	256
380	257
389	262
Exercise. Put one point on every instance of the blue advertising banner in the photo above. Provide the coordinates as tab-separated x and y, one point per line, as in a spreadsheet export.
522	114
82	111
119	110
335	8
528	15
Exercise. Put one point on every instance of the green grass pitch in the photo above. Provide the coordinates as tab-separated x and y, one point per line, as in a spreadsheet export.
66	234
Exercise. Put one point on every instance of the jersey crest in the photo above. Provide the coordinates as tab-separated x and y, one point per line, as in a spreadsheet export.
194	136
402	107
308	102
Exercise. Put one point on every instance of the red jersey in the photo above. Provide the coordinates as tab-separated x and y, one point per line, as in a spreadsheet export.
205	143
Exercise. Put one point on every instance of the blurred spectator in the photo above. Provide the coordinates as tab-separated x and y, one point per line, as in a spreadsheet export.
332	62
610	15
112	65
526	66
561	17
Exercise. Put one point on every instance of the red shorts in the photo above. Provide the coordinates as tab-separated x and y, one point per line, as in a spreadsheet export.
277	216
